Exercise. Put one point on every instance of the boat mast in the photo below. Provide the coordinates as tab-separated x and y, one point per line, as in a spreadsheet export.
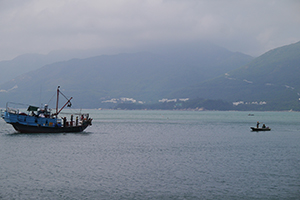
57	98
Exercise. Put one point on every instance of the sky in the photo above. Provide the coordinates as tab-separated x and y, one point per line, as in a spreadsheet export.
249	26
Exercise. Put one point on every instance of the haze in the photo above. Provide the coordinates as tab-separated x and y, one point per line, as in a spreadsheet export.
251	27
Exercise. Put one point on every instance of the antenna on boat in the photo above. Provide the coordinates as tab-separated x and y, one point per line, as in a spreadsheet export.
41	96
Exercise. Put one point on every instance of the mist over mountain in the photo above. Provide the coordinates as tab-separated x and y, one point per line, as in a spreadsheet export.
28	62
145	76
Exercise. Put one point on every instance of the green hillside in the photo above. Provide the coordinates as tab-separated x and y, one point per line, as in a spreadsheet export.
272	77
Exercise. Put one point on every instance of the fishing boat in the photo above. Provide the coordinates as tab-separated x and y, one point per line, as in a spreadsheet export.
260	129
42	120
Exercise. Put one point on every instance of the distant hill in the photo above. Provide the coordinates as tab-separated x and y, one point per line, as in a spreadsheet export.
142	76
272	78
22	64
28	62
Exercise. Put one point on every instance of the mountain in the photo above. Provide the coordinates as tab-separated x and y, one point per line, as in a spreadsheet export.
272	78
20	65
143	76
29	62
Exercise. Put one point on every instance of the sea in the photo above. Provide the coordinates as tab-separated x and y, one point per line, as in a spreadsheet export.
156	155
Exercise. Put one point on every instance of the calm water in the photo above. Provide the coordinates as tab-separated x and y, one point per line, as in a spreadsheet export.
156	155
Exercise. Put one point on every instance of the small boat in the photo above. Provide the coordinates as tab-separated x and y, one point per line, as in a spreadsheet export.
41	120
260	129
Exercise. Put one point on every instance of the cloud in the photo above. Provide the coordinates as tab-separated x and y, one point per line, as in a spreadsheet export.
40	26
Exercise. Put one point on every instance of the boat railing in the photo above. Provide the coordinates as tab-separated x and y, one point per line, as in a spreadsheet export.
12	110
12	107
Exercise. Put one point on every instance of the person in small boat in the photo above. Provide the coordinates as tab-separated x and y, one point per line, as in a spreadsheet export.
257	125
263	126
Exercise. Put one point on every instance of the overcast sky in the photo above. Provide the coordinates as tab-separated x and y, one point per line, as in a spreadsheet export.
248	26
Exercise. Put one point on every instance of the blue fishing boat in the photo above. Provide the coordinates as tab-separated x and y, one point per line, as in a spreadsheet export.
42	120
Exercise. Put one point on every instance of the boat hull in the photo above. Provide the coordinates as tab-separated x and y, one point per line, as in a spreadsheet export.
21	128
260	129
